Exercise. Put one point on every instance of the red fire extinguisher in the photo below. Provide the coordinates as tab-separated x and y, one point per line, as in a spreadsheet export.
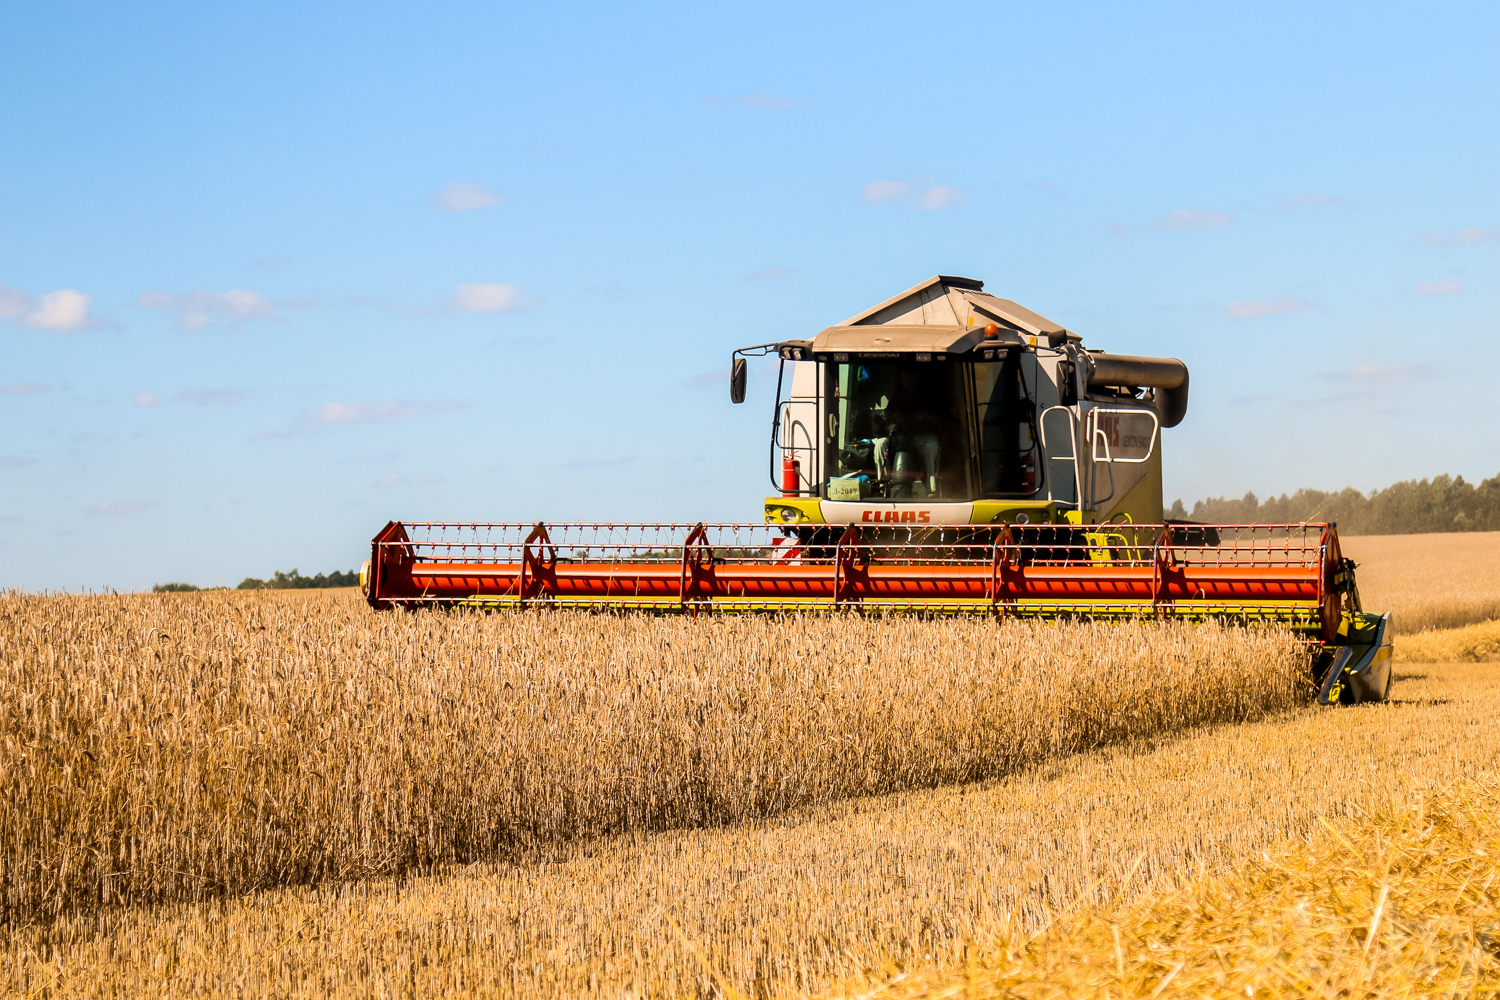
791	476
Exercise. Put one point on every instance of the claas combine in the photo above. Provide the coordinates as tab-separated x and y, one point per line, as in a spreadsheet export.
946	452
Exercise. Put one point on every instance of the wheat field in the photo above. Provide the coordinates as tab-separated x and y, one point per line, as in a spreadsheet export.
286	794
163	748
1435	581
797	903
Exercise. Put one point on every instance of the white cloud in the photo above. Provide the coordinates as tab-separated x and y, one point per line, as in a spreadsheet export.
197	309
1311	199
769	274
884	192
1191	218
208	397
1256	308
117	508
369	413
487	298
391	479
939	197
63	311
1439	287
143	398
22	389
466	196
1459	238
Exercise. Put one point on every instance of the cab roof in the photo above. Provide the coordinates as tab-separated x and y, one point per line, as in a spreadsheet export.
945	313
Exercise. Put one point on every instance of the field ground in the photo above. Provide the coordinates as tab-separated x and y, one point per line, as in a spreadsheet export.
1400	903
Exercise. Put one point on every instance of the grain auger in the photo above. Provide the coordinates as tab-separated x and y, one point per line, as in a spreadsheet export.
944	453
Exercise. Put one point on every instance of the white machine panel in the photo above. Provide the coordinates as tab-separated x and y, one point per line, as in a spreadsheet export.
909	512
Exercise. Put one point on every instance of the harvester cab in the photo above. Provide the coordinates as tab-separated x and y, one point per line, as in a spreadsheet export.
946	452
947	405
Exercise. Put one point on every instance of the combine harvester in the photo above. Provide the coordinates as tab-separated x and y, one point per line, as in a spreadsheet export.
945	452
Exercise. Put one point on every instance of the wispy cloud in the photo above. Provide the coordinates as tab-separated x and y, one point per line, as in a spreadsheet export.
488	298
14	302
63	311
598	463
884	192
15	461
1439	287
1373	375
144	398
775	102
466	196
939	197
1256	308
22	389
198	309
208	397
716	377
119	508
1191	218
1456	238
398	479
931	197
763	102
329	414
1311	199
769	274
370	413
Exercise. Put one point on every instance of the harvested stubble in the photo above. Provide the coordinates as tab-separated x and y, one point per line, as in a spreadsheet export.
179	747
1401	904
1434	581
783	905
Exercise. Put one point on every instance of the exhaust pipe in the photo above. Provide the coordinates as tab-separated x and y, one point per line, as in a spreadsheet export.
1166	377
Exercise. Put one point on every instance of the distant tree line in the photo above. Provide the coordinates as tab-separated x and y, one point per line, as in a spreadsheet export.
295	581
1406	508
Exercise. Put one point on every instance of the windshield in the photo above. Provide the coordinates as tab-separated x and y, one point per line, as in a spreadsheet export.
910	430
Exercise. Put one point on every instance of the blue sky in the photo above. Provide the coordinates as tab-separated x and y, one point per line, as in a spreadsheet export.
273	274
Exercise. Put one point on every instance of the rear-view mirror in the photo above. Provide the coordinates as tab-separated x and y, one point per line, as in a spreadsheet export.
737	372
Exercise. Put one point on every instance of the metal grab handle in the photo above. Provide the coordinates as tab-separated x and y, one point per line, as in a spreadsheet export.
1109	465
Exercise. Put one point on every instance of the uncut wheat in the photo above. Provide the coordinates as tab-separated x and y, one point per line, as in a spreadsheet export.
168	747
1435	581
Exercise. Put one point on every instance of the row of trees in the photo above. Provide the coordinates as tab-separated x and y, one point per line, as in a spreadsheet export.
1405	508
295	581
278	581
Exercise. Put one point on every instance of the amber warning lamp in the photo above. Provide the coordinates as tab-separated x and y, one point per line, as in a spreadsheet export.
991	331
